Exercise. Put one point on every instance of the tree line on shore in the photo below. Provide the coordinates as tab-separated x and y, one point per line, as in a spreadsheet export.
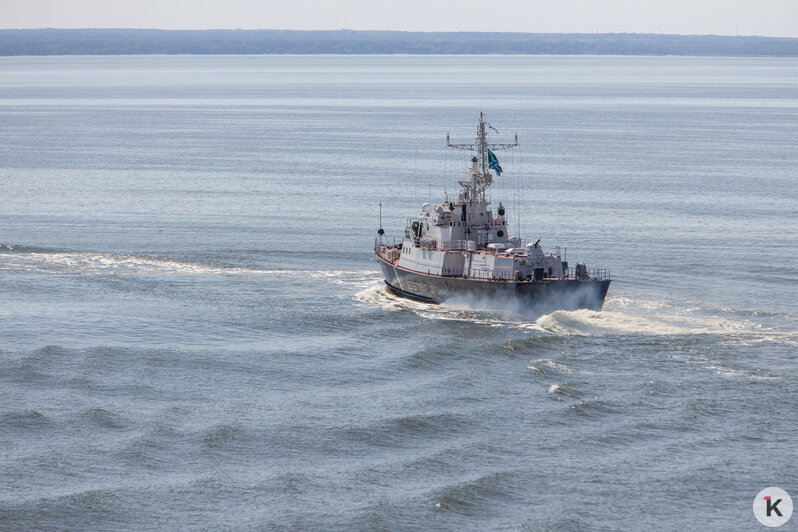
143	41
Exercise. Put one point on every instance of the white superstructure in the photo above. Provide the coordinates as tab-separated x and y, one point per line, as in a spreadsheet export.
463	237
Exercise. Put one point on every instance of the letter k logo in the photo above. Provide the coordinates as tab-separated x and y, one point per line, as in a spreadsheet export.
773	507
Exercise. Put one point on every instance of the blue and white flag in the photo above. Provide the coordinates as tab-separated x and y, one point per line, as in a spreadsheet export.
493	163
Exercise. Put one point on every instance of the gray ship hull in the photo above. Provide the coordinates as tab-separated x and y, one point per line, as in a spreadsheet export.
545	296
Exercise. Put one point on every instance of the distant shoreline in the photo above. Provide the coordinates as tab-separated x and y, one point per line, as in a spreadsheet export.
44	42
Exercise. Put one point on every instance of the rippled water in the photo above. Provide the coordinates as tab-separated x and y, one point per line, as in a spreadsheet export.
193	333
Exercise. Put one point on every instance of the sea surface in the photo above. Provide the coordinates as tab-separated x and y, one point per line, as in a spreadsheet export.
194	333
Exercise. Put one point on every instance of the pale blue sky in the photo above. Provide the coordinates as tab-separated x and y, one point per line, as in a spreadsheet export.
722	17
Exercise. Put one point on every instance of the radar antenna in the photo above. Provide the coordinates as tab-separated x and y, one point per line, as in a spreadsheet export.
479	177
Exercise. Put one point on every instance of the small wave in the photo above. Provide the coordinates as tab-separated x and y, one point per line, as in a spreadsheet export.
43	355
723	369
594	408
27	419
151	445
404	429
221	435
61	503
736	372
477	496
564	391
547	365
748	313
16	248
293	482
103	418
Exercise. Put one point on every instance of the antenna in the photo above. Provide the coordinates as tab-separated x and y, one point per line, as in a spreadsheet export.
479	177
518	206
381	231
517	185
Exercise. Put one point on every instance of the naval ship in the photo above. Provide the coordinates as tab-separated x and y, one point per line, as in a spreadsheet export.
463	249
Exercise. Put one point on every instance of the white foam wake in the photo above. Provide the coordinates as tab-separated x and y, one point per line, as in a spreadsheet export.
620	316
99	263
377	295
589	322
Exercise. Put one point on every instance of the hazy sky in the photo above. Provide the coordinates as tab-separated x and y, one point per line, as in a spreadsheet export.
723	17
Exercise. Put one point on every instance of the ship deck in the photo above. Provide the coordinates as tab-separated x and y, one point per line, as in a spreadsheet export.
383	253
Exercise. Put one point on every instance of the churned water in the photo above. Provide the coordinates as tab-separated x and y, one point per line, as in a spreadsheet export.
194	334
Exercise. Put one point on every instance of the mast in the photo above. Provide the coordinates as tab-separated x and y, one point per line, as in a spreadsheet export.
479	176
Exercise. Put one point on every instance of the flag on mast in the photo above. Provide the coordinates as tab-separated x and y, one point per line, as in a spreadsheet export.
493	163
